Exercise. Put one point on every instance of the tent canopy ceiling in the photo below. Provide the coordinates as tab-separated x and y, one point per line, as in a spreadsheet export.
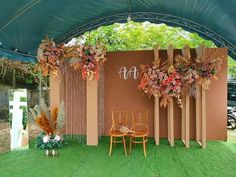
24	23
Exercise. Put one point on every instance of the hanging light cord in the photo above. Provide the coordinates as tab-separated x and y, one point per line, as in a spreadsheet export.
129	12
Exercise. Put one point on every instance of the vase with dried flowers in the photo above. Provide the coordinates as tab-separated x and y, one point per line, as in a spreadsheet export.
52	123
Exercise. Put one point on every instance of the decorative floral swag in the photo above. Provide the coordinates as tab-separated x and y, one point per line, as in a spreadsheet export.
156	80
159	80
87	58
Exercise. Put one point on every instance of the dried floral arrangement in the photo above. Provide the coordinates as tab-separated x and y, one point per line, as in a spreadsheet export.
159	81
179	79
86	58
152	78
208	71
189	75
49	57
23	69
7	64
90	57
52	124
172	87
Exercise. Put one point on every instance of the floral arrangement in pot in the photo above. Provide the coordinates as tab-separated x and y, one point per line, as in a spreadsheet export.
90	57
52	123
49	57
50	143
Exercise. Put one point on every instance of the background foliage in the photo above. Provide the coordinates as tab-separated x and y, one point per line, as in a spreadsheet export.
145	36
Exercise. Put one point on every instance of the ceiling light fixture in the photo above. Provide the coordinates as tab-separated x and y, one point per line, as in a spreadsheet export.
129	12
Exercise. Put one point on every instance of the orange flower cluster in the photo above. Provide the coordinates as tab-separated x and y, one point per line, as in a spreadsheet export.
43	122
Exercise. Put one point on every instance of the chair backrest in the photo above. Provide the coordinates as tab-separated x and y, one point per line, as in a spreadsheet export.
140	121
119	118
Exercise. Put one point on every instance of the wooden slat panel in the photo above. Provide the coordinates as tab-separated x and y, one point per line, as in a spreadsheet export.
74	102
198	103
201	105
198	112
156	106
186	110
183	119
170	54
187	119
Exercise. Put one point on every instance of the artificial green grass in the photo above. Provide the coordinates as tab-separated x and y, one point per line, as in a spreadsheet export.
218	160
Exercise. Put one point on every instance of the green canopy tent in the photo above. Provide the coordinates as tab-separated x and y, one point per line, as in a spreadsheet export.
24	23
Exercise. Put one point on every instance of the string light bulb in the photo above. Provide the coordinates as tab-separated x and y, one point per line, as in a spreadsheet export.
129	18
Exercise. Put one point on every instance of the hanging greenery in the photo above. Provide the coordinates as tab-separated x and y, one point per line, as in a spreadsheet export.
24	73
7	65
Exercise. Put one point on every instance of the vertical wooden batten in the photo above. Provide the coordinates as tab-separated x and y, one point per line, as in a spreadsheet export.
186	107
183	119
198	112
156	107
201	105
170	119
92	112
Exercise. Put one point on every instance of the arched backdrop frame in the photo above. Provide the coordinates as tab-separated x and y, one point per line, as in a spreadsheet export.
153	17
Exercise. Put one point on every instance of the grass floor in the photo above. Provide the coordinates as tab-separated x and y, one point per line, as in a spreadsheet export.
218	160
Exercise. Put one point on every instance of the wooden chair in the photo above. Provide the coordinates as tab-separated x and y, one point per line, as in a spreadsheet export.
119	119
140	128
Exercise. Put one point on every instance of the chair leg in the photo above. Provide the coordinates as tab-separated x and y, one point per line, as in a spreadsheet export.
144	147
114	141
110	146
130	145
124	145
146	143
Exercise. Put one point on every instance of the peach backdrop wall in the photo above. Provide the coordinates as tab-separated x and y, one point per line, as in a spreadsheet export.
120	93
